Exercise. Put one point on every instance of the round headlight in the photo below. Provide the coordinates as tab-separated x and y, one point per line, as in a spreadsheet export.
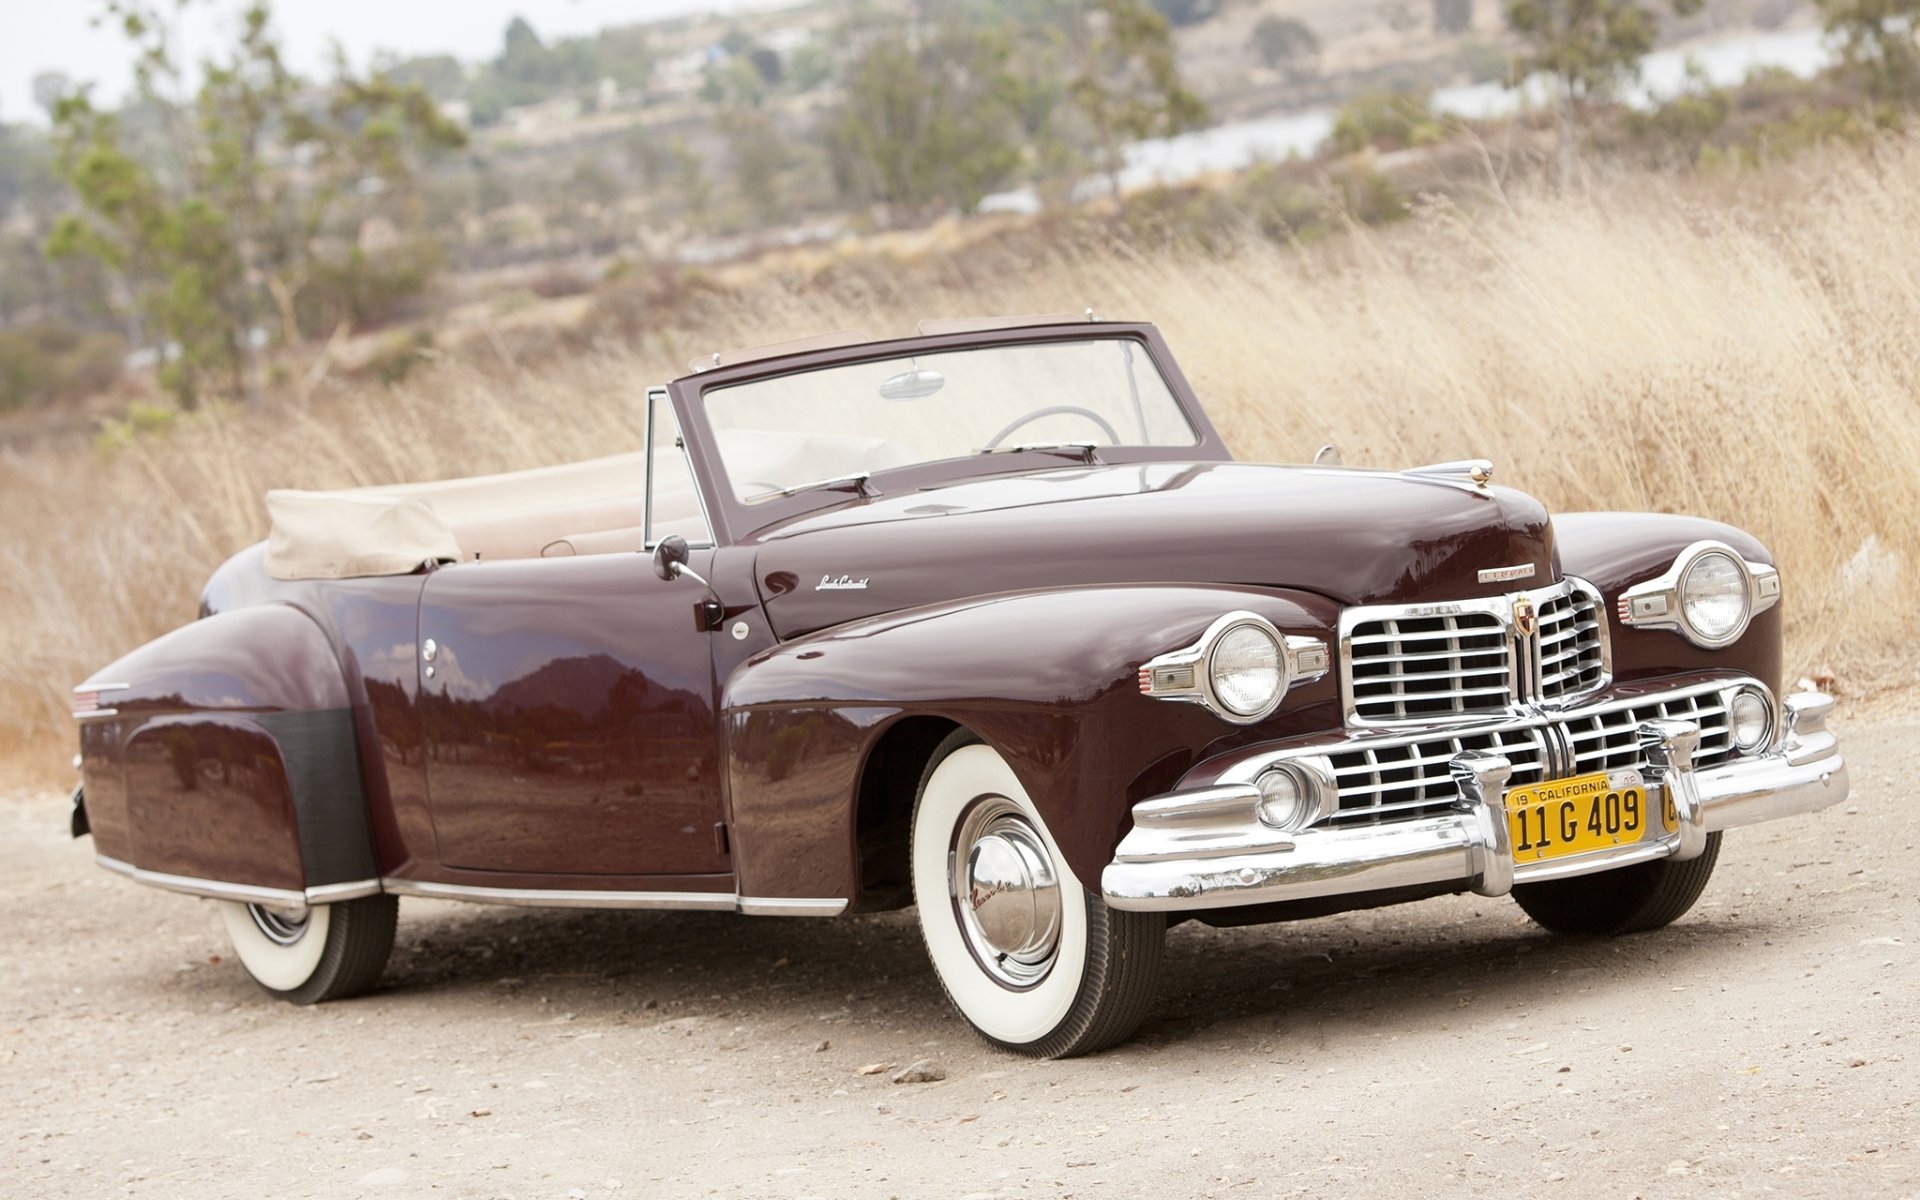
1245	671
1288	797
1750	719
1713	597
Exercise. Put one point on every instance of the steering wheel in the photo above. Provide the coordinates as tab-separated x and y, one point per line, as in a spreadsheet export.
1113	435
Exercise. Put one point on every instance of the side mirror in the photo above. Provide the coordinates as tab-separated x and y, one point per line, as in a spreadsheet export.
670	557
670	563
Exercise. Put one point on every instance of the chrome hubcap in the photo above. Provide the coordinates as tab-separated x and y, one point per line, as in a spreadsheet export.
1006	892
283	926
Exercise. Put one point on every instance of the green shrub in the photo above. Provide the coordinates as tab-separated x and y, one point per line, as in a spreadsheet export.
1385	121
52	361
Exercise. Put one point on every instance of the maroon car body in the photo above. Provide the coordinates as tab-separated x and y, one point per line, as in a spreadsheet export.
600	729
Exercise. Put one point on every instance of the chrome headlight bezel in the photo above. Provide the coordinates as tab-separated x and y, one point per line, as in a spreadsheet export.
1659	603
1187	674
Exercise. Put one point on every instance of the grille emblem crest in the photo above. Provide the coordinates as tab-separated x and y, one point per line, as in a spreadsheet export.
1526	621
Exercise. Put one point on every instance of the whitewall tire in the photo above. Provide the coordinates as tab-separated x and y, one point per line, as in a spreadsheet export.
323	952
1034	961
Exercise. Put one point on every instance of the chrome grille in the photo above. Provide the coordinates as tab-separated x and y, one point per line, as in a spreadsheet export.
1402	780
1440	663
1414	668
1570	646
1415	779
1607	741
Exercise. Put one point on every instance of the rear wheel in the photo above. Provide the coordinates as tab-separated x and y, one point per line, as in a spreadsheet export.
322	952
1628	900
1035	962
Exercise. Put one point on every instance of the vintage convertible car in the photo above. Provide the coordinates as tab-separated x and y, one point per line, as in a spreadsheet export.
985	621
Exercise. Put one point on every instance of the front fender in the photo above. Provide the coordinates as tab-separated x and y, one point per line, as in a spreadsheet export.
1614	551
1048	678
225	752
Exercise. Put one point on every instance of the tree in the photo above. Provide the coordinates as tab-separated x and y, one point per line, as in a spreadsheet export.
926	121
49	89
1286	45
1588	47
1128	86
1877	37
266	181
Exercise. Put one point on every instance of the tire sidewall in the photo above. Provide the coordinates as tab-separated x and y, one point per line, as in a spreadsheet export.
279	969
968	774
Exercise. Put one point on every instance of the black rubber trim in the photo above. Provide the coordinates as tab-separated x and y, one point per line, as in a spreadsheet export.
78	821
322	756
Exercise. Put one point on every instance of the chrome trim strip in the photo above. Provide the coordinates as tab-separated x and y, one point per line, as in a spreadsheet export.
333	893
562	898
95	712
213	889
102	687
760	906
775	906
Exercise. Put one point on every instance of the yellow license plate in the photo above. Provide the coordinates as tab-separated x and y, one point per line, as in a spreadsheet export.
1559	817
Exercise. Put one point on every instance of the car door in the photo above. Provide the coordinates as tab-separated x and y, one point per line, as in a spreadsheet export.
568	711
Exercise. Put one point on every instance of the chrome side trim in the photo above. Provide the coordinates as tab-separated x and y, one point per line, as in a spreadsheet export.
334	893
214	889
542	898
775	906
762	906
96	691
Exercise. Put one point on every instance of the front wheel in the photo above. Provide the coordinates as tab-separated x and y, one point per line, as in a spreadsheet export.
1627	900
1035	962
322	952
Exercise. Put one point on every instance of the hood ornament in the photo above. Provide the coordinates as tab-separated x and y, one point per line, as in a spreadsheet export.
844	583
1477	471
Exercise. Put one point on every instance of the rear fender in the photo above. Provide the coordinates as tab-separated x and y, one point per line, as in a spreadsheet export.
1049	679
221	759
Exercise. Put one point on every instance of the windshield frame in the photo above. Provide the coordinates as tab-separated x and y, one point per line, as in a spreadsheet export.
733	520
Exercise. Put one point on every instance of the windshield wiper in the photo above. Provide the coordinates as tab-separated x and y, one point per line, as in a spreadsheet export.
1086	452
855	483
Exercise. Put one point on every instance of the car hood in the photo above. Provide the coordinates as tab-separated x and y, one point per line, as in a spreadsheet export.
1356	537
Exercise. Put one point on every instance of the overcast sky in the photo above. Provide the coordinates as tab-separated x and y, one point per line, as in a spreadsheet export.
43	35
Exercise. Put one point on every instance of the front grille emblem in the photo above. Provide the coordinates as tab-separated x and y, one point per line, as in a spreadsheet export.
1526	622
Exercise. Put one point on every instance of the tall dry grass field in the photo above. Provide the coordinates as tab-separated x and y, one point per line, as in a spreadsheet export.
1747	349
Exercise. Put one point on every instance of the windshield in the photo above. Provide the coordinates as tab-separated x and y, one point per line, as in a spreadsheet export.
780	435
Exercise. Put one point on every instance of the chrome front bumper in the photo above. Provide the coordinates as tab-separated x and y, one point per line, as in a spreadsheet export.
1205	849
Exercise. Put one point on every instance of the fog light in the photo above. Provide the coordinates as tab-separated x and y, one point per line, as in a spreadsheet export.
1750	720
1288	797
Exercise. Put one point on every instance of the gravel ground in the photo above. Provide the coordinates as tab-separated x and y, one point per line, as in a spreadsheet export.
1759	1045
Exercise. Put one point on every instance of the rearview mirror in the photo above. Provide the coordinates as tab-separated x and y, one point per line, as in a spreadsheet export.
916	384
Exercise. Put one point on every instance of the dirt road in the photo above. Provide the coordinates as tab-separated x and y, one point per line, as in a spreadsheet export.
1766	1043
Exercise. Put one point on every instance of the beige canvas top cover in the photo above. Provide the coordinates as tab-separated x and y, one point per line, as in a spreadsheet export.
393	530
591	507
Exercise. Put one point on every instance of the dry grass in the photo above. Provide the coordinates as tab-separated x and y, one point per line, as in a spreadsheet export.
1660	344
